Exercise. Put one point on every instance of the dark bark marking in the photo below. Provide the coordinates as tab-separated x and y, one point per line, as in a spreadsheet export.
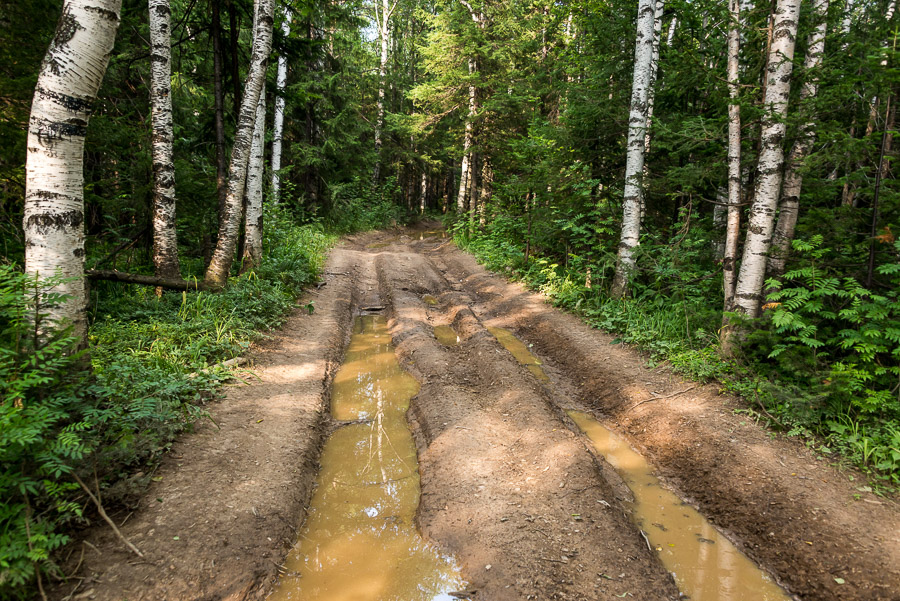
110	15
58	221
70	103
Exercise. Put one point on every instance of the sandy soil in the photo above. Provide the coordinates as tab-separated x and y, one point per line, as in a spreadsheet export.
509	485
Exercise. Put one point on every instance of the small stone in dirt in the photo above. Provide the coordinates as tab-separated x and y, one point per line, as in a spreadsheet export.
487	567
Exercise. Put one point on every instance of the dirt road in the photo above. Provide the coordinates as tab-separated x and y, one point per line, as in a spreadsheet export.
509	484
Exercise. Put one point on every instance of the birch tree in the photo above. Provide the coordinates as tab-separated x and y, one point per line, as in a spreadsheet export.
749	287
793	177
733	222
253	219
165	242
67	85
468	140
230	222
383	23
634	165
278	120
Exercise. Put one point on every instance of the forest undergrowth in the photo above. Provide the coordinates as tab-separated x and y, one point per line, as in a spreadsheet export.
821	364
102	419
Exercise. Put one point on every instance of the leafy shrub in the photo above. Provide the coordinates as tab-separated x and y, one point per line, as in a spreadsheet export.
150	358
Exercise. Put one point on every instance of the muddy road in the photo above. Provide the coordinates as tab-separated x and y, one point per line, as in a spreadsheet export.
510	486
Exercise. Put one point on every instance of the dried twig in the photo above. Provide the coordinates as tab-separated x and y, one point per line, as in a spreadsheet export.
659	398
106	518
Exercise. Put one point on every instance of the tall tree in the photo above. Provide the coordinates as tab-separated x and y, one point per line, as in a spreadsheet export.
637	127
219	107
165	242
793	176
383	23
779	66
253	217
230	222
278	120
66	89
733	223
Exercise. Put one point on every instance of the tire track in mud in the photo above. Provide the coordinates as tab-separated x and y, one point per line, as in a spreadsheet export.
506	486
806	522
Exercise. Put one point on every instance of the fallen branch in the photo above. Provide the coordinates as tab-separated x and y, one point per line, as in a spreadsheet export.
123	246
145	280
659	398
103	515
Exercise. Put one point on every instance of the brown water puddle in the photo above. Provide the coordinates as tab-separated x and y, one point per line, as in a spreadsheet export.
433	234
430	300
521	353
706	565
446	335
359	541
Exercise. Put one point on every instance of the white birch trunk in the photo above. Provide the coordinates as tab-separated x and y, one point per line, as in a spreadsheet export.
66	89
253	219
671	35
278	121
733	222
466	175
793	178
384	22
165	242
223	256
749	288
637	127
423	193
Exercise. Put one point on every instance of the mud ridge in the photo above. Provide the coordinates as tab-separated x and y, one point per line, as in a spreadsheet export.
506	486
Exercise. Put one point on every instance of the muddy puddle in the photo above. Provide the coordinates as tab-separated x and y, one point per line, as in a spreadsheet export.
434	234
520	351
360	541
446	335
705	564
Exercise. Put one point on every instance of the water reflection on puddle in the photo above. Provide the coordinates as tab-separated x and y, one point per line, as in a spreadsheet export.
706	565
359	541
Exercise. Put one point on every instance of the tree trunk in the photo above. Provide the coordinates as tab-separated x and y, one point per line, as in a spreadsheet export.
733	223
234	33
749	288
165	243
175	283
383	22
464	179
66	89
637	127
793	178
253	219
223	256
278	125
219	99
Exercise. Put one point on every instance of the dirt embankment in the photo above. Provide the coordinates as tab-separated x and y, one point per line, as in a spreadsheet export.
508	484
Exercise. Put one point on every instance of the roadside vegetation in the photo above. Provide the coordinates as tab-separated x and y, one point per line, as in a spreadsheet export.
821	364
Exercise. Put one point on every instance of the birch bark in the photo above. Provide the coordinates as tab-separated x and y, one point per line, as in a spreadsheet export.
749	288
66	89
383	20
278	124
793	178
637	127
733	221
468	137
223	256
165	242
253	219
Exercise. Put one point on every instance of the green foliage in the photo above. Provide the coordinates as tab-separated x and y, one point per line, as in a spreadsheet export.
153	369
